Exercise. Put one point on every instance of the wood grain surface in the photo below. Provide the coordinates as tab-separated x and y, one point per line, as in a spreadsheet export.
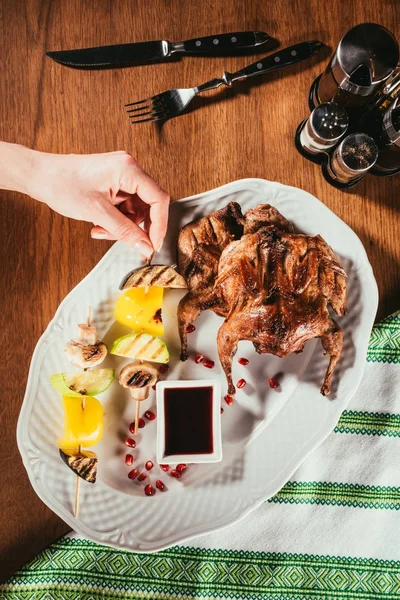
246	131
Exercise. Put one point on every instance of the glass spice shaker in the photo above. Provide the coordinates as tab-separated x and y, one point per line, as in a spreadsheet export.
388	140
364	59
324	128
390	91
349	162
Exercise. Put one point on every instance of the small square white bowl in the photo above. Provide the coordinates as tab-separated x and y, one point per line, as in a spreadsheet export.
212	457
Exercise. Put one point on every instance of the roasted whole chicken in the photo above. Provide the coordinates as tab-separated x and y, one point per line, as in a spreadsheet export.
272	286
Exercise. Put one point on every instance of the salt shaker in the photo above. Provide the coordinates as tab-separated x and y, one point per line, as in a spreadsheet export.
351	160
326	125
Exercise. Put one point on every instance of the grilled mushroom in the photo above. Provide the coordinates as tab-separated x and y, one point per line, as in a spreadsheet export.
138	377
87	351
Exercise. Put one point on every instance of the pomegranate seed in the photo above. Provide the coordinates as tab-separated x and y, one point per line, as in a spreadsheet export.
153	387
228	399
165	467
198	358
160	485
149	490
190	328
243	361
129	459
163	368
149	465
241	383
208	363
142	477
221	410
130	442
132	425
180	468
273	383
150	415
133	474
175	473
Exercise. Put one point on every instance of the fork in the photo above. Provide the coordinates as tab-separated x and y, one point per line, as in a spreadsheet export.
171	103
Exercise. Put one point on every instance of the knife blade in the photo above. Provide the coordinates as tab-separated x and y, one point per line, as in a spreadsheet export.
122	55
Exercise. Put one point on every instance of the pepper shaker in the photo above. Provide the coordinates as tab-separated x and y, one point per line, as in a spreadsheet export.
351	160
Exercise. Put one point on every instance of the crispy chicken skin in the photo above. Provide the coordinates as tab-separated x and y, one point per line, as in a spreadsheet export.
199	248
272	286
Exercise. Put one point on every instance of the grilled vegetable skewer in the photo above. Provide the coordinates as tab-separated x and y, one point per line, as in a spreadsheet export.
85	352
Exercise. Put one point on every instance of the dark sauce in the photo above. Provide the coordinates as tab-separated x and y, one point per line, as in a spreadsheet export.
188	420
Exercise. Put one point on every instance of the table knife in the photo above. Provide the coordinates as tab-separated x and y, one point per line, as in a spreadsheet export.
121	55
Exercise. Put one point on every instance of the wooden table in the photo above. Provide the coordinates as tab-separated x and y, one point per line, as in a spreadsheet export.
242	132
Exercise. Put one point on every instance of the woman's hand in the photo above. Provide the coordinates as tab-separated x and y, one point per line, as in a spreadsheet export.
109	190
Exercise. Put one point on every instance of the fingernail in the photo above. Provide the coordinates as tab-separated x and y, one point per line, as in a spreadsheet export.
144	248
99	235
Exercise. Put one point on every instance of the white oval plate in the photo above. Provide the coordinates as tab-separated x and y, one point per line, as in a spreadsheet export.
264	427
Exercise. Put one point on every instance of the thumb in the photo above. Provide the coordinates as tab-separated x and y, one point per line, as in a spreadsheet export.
121	228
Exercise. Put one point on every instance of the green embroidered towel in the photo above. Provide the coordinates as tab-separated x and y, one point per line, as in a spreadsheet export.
332	532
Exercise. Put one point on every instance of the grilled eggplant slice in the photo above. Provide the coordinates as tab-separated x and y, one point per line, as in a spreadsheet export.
153	275
83	464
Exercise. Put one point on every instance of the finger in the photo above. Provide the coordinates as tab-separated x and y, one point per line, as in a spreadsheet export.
134	206
121	197
158	223
136	181
121	228
99	233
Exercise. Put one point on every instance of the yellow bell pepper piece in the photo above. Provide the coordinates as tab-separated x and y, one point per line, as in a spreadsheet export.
82	426
141	311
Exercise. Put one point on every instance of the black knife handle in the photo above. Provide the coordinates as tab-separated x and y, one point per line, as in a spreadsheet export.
225	42
283	58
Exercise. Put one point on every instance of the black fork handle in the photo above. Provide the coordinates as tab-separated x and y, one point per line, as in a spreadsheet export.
283	58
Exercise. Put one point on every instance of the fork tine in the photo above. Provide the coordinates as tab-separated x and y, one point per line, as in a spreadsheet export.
142	107
152	112
152	99
140	101
153	118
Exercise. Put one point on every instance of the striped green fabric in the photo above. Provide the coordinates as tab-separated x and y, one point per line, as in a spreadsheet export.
384	343
338	494
368	423
80	570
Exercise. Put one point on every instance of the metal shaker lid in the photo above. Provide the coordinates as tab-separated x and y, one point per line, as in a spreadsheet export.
329	121
365	57
358	152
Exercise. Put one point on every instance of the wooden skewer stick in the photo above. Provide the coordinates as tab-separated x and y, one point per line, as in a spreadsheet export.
135	393
78	479
137	417
89	316
77	488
